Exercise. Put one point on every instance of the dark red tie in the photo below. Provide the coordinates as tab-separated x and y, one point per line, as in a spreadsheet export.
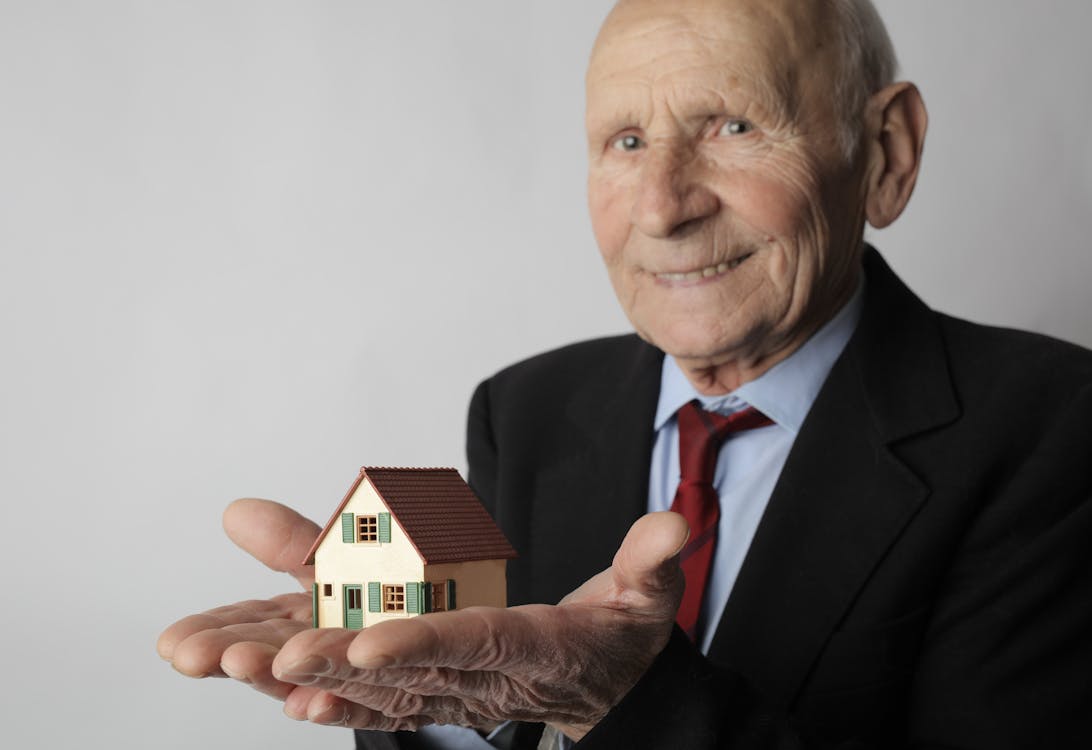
701	434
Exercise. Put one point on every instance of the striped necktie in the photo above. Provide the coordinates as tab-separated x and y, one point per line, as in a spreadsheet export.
701	434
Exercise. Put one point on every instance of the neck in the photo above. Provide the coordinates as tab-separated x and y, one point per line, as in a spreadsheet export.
721	378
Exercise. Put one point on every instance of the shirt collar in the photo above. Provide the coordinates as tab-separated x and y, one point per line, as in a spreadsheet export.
786	391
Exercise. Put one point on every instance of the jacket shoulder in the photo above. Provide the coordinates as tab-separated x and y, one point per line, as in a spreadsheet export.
1021	366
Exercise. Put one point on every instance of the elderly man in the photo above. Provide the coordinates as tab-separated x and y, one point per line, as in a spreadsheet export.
895	552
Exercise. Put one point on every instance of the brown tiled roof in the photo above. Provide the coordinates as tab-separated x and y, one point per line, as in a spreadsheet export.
440	514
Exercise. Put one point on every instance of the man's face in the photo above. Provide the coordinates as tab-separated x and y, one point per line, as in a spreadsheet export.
728	218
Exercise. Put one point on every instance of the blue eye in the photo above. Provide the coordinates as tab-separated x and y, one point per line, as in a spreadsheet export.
628	143
736	127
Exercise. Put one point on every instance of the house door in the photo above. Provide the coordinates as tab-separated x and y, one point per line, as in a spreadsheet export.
354	607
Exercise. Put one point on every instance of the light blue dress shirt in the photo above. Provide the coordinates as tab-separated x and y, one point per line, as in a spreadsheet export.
748	465
750	462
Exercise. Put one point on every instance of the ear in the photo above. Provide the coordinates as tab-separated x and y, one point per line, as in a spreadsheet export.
896	121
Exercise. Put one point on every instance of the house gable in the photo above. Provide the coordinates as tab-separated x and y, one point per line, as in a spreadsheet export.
360	570
436	510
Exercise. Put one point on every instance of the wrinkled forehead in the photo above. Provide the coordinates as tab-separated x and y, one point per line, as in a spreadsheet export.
774	48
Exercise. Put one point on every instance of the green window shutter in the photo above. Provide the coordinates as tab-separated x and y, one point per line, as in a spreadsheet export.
374	593
348	534
426	597
450	594
413	598
314	605
384	527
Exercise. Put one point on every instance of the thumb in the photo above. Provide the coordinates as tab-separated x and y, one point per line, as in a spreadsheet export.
647	563
274	534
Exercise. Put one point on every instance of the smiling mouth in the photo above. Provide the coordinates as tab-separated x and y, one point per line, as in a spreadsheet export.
705	273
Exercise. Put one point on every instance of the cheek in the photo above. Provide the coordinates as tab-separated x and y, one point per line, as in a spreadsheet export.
778	204
610	218
773	206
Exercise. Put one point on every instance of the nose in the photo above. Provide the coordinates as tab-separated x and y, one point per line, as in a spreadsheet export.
671	195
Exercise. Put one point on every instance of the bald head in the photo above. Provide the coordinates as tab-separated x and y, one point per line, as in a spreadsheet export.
838	49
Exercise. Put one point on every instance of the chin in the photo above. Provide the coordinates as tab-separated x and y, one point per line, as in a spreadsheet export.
686	342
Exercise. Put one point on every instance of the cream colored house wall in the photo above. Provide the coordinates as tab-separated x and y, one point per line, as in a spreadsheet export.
479	583
358	563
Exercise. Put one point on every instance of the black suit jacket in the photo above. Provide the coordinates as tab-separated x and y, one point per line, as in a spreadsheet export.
922	574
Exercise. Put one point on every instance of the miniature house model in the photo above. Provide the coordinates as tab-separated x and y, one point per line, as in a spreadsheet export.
404	542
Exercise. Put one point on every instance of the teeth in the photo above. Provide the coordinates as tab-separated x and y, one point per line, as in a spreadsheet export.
705	272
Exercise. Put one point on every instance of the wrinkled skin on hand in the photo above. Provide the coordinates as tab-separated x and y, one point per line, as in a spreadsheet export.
566	665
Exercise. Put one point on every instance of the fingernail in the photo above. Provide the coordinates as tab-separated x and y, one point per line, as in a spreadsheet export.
239	676
339	721
199	676
308	665
372	661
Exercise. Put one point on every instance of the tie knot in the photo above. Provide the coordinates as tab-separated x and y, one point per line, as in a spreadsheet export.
701	434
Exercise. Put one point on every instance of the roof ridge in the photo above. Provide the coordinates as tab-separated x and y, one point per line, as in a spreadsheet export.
413	469
408	468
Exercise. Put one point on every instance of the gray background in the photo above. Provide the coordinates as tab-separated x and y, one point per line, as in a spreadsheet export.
246	247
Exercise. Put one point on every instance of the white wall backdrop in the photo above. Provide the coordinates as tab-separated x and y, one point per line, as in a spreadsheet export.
246	247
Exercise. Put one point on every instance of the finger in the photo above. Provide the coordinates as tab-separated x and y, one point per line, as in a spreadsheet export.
201	655
317	659
366	688
646	566
645	579
315	651
338	706
331	710
463	698
476	638
452	696
299	698
251	663
285	607
274	534
394	703
329	699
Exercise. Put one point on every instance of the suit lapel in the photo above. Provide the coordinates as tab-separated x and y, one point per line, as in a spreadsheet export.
591	492
623	441
843	496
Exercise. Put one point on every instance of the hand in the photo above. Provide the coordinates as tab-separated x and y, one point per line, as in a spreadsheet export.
567	665
241	640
